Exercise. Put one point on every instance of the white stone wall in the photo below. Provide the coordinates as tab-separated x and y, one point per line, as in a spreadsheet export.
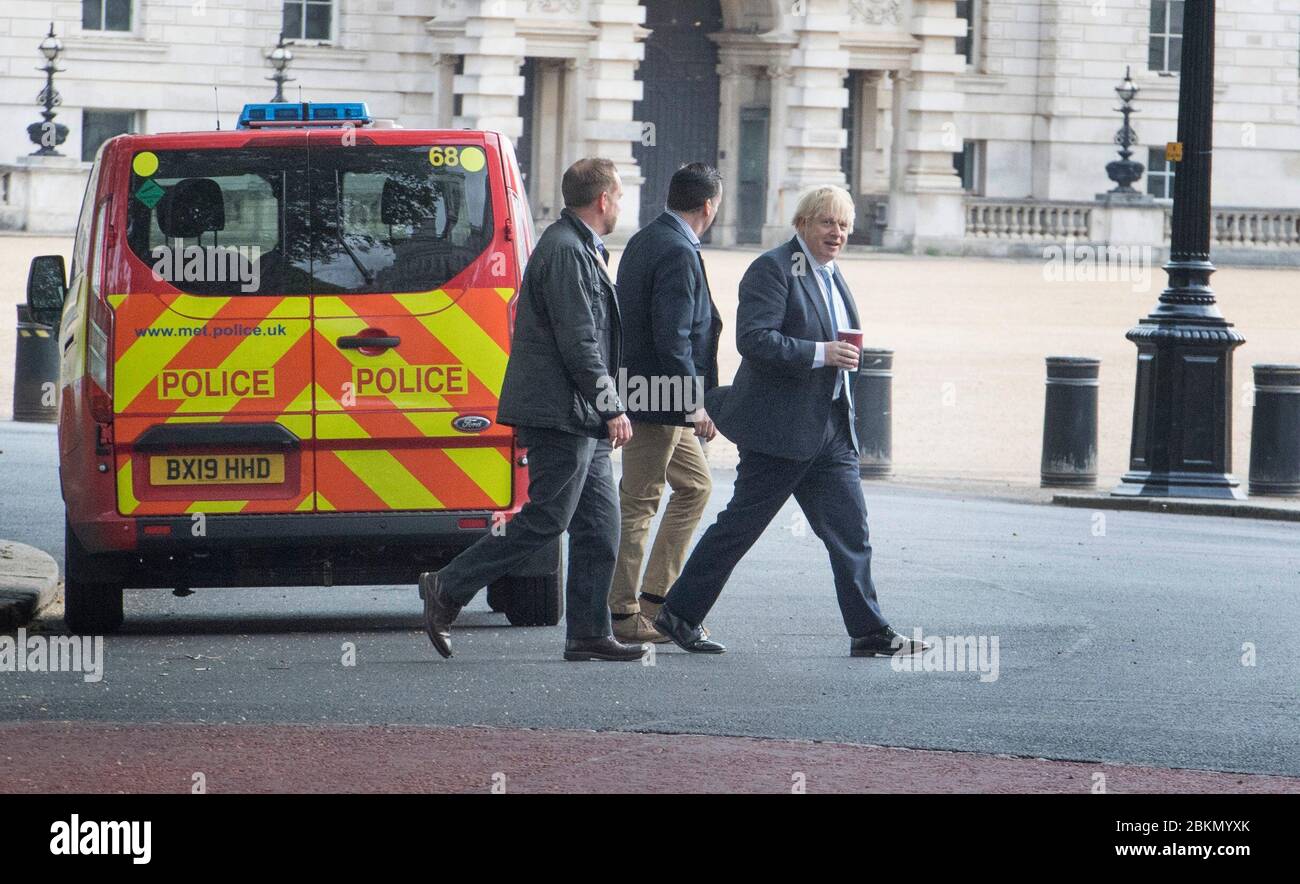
1043	97
180	49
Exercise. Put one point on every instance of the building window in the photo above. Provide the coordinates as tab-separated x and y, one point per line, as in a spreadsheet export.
1165	49
966	45
106	15
969	165
308	19
97	126
1160	174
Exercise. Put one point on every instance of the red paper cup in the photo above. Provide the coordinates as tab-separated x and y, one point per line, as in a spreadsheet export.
851	336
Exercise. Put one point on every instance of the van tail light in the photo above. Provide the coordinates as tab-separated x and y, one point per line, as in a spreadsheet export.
99	359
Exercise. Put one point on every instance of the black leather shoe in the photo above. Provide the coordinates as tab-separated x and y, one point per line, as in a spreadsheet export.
439	613
684	635
607	648
886	642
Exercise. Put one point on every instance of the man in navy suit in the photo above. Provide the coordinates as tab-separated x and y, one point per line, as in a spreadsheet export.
670	345
790	413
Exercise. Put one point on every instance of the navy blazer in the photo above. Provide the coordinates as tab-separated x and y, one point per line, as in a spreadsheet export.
670	324
779	404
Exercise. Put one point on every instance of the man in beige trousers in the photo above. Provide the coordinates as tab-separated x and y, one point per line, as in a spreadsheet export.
670	341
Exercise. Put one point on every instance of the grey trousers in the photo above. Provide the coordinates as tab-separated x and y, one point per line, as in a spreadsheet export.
570	486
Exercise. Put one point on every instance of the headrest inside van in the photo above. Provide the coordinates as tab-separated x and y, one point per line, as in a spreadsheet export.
191	207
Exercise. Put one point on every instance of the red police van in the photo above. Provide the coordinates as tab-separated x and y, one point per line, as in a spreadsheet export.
282	350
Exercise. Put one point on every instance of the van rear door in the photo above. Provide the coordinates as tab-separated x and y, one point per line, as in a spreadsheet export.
412	285
212	383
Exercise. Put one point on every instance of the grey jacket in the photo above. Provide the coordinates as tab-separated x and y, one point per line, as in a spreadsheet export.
568	338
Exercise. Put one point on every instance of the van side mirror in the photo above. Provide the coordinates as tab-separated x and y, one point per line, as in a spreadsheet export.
46	288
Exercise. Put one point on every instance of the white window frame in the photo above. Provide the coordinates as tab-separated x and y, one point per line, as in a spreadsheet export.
1166	36
133	31
336	12
1167	173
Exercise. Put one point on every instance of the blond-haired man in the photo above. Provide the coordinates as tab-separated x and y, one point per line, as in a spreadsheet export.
790	413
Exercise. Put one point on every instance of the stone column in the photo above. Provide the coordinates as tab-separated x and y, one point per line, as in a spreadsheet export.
776	225
612	89
491	83
877	132
731	77
814	133
444	91
927	210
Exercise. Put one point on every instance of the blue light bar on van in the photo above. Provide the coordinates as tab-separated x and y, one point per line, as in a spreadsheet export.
294	115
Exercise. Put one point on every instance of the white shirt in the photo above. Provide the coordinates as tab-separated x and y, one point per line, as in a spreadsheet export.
841	310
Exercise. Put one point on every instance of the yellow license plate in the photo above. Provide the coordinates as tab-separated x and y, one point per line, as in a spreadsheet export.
216	469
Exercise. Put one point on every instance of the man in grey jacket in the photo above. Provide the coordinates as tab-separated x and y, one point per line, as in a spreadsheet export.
559	393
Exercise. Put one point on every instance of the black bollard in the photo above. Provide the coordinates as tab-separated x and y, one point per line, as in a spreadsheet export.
873	401
36	371
1275	431
1070	422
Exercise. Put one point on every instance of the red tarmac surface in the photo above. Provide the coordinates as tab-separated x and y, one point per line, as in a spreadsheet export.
110	758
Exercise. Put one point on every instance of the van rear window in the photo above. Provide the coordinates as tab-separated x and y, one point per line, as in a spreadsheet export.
340	220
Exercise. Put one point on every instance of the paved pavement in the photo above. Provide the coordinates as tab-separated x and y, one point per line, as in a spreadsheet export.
1123	638
164	758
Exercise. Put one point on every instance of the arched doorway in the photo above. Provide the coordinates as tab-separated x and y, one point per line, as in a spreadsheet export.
679	77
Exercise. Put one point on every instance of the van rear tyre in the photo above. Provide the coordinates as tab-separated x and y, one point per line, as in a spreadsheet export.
89	607
531	601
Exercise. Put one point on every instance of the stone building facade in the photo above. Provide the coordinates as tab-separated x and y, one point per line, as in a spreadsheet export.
918	106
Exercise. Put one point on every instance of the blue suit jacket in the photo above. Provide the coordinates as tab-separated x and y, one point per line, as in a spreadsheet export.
779	404
670	326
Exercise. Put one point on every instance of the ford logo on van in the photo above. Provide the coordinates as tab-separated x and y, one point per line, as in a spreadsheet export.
471	423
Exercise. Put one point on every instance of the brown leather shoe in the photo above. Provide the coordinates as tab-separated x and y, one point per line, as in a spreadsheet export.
606	648
439	613
638	629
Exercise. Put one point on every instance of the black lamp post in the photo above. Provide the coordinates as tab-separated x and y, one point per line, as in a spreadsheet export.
280	57
48	135
1182	410
1124	171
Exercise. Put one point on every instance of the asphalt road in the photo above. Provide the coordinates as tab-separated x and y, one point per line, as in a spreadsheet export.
1123	646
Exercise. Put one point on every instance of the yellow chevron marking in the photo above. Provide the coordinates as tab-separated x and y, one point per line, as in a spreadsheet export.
144	358
306	504
350	323
115	301
426	302
468	342
433	424
126	500
488	468
391	481
194	306
506	294
301	402
291	308
251	352
339	426
298	424
193	419
323	505
216	506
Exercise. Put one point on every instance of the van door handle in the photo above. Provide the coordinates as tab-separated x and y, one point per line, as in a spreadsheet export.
359	342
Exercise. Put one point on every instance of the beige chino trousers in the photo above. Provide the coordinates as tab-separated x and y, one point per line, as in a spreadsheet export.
657	454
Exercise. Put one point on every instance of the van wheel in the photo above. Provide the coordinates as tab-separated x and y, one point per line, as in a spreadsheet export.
531	601
89	608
